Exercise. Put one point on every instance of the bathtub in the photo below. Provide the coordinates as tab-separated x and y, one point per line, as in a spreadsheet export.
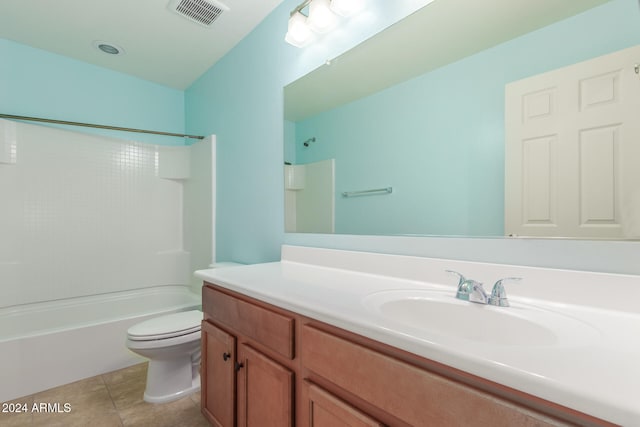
44	345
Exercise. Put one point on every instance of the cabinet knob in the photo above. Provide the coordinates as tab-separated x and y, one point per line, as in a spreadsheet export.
239	366
226	356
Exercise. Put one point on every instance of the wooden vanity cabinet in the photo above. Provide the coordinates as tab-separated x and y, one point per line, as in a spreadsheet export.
318	375
247	351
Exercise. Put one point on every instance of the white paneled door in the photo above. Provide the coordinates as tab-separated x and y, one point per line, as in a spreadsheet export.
572	160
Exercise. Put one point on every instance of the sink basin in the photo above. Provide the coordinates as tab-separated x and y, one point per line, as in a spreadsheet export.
440	313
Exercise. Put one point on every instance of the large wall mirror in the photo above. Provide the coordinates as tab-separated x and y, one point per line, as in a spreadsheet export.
408	133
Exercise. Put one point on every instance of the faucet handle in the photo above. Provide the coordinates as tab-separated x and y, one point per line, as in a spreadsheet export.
498	294
461	278
464	287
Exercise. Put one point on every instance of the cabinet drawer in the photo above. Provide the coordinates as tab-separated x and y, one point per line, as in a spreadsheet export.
411	394
273	330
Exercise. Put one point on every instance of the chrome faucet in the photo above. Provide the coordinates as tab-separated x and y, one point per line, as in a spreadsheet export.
478	294
473	291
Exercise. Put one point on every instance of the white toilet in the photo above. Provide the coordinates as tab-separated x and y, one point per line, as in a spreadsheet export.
172	345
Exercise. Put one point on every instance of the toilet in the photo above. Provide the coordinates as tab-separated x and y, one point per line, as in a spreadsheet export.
172	345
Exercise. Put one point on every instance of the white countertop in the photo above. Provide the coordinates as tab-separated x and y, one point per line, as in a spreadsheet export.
599	376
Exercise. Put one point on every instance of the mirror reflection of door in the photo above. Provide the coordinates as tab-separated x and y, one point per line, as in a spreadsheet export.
572	150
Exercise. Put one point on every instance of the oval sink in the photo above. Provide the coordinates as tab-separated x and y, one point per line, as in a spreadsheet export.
440	313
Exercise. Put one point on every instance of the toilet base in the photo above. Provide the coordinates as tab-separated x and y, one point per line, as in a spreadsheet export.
175	396
173	378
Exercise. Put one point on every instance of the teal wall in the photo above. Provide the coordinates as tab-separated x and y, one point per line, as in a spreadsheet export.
37	83
240	100
446	126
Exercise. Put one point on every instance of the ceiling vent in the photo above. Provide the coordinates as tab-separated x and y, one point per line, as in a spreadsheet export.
204	12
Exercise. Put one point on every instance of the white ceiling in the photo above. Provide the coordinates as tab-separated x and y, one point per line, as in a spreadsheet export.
160	45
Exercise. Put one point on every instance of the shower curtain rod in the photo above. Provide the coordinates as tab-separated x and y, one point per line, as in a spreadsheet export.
90	125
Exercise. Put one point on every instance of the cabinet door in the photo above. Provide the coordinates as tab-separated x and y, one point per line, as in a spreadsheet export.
326	410
265	391
218	376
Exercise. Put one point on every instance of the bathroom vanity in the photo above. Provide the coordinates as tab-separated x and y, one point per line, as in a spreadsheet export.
330	338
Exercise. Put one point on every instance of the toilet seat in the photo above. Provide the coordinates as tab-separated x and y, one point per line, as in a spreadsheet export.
165	327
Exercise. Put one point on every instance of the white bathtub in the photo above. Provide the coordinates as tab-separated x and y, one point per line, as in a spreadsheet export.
44	345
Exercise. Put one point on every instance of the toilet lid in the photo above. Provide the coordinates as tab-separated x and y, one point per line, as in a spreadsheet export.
167	326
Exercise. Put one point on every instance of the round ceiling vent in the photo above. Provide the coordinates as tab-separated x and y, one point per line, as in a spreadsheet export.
108	47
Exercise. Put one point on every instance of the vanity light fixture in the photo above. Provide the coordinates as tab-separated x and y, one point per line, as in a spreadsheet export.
322	17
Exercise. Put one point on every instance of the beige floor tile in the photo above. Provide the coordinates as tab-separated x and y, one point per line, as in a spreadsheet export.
85	402
127	393
18	412
192	418
63	393
15	419
156	415
131	373
196	398
86	419
109	400
93	401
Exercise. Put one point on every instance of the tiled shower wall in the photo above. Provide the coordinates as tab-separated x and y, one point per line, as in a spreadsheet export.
82	214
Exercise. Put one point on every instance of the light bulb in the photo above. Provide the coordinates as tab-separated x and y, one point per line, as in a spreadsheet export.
321	18
298	34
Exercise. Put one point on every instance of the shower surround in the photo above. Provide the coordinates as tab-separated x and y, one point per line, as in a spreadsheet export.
86	216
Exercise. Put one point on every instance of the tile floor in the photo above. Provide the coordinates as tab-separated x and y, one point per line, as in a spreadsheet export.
109	400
